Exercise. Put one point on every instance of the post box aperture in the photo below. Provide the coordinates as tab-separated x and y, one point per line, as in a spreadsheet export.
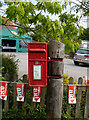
37	64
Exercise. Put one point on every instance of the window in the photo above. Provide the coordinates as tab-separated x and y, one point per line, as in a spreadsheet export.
83	51
23	44
8	43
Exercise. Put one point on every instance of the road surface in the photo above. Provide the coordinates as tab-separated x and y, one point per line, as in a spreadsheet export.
75	71
69	67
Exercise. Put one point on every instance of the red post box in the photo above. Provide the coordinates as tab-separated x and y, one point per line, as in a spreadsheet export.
37	64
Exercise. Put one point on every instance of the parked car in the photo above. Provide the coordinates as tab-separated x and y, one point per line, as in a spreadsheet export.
81	56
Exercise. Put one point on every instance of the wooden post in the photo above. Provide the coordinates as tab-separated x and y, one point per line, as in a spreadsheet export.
0	109
33	104
25	90
6	103
42	101
55	86
79	96
69	105
86	113
14	92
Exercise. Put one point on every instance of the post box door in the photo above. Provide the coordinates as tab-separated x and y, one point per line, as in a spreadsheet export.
39	74
37	64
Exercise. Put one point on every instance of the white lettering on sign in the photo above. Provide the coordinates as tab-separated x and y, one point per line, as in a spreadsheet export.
36	94
3	90
37	71
20	91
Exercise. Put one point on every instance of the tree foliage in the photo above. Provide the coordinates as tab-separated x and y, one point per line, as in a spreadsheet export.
10	66
71	31
0	4
85	34
81	5
34	19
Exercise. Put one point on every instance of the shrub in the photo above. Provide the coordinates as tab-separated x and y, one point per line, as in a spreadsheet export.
66	78
36	113
10	66
1	78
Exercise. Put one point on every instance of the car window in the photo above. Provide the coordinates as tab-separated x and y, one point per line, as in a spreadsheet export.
82	51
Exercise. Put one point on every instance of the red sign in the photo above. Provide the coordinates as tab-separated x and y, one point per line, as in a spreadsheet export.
36	94
37	64
3	90
20	92
86	80
72	94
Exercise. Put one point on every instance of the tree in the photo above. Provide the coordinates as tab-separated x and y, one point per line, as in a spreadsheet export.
0	4
85	35
25	15
81	5
71	31
30	18
11	68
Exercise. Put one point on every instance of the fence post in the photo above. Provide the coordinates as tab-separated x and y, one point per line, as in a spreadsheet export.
79	96
33	104
6	103
14	92
0	109
55	86
25	96
43	91
69	105
86	112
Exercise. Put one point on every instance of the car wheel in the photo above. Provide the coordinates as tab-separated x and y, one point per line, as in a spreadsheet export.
76	63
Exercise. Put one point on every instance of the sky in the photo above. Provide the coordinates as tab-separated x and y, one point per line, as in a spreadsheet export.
83	21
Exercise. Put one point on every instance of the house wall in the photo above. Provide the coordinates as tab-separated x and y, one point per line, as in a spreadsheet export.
18	49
